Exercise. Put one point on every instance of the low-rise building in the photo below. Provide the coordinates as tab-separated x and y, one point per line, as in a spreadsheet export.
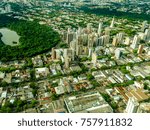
90	102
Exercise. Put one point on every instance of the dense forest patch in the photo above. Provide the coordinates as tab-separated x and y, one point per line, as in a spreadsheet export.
35	39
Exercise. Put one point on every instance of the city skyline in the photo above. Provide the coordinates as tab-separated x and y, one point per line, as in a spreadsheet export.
71	59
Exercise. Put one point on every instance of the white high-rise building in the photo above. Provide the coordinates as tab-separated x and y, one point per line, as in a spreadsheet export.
118	39
135	42
100	29
90	52
118	53
103	40
112	23
132	105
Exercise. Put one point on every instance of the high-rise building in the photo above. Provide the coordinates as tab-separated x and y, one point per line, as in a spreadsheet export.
64	35
107	31
58	53
84	39
69	53
147	33
112	23
89	27
67	62
140	50
99	41
135	42
102	41
106	39
91	40
100	29
90	52
79	31
94	58
115	42
68	56
73	45
120	37
118	53
53	54
132	105
82	50
69	37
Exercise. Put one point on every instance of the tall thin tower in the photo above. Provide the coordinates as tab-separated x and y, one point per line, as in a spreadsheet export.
100	28
112	23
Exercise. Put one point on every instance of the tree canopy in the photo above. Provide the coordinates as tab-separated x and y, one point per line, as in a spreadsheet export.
35	39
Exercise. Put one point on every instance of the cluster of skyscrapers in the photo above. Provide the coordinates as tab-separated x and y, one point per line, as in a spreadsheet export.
85	41
82	41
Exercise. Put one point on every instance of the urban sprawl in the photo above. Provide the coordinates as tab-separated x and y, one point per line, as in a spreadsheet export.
102	64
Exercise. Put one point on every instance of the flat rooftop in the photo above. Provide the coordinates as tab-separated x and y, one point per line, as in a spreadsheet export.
90	102
138	93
